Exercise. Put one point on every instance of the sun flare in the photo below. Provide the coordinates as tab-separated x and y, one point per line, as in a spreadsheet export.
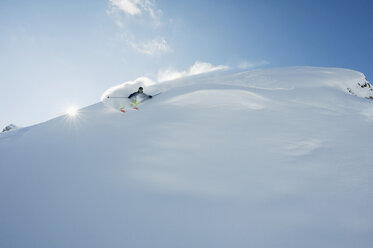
72	111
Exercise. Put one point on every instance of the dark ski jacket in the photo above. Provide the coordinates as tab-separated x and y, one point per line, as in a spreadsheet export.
139	96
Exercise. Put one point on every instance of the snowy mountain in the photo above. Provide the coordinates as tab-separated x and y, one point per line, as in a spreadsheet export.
264	158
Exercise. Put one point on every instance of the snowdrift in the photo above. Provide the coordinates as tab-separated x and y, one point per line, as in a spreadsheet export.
265	158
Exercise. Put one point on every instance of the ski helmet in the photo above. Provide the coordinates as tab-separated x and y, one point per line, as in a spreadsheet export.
140	89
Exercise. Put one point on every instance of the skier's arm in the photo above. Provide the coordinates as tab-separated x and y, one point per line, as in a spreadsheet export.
132	95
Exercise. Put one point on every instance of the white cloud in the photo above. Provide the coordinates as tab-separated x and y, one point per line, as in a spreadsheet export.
128	6
151	47
252	64
149	6
136	7
139	18
197	68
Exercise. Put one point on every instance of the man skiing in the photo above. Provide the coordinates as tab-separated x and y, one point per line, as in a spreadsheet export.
138	97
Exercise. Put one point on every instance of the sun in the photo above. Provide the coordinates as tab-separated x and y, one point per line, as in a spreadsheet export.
72	111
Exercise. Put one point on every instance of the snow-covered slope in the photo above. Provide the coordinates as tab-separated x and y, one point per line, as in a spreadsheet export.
266	158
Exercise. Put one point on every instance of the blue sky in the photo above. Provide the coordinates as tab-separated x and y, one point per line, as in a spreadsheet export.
54	54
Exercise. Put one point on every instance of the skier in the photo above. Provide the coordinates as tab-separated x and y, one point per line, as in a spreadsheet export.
138	97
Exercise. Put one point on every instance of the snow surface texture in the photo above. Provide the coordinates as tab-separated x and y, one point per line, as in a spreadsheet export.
266	158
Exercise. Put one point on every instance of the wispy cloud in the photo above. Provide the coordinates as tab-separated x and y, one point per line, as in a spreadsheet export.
151	47
197	68
136	7
139	18
130	7
246	64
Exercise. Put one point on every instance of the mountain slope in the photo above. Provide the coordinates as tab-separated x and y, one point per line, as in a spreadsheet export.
267	158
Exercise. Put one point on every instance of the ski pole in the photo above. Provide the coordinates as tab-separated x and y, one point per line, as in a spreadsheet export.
116	97
127	97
